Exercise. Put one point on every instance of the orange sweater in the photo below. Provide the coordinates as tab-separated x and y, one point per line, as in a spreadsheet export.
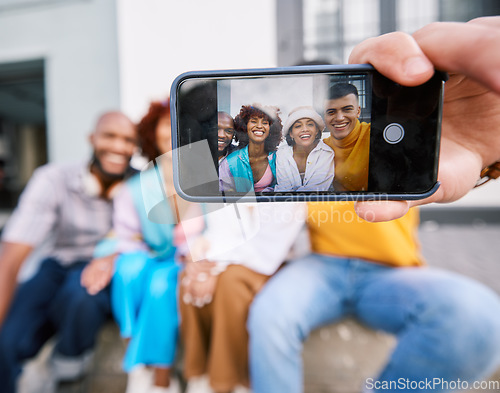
335	229
351	159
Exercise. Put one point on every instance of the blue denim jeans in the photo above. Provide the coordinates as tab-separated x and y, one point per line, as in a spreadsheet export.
447	326
51	302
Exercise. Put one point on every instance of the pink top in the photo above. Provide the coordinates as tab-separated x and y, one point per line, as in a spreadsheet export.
265	181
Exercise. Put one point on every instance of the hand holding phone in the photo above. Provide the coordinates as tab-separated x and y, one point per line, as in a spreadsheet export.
472	92
305	133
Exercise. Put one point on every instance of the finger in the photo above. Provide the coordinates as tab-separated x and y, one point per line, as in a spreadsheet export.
465	48
187	298
395	55
92	290
489	21
207	299
96	283
198	302
101	283
458	172
378	211
84	278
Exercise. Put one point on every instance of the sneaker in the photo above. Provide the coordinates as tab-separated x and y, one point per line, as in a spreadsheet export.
174	387
71	368
140	380
199	384
38	375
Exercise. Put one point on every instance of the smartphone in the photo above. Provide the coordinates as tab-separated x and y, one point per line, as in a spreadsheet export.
304	133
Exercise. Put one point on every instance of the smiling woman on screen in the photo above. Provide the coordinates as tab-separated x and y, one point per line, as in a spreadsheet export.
305	162
253	166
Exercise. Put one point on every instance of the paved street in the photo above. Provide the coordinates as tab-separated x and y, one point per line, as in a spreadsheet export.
472	250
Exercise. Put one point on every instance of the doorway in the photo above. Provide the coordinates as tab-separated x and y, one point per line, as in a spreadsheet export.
23	131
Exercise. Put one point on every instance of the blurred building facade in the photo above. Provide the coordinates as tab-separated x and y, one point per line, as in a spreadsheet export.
63	62
328	30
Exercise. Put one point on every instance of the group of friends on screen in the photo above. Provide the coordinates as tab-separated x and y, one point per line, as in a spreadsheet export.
257	152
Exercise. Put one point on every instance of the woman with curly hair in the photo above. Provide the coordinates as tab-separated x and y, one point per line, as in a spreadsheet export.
253	166
144	283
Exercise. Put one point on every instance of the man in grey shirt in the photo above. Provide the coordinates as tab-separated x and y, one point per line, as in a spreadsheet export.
70	205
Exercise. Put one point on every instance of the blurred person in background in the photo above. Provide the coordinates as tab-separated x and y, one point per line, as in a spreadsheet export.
233	258
141	261
70	206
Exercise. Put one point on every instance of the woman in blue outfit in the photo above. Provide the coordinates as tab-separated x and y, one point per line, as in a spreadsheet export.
253	166
144	283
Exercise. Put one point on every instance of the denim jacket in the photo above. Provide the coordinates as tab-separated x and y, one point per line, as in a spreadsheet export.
239	165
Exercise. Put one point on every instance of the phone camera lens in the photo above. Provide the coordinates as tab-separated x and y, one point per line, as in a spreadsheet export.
394	133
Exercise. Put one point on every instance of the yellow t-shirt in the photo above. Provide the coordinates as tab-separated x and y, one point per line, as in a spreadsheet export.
335	229
351	159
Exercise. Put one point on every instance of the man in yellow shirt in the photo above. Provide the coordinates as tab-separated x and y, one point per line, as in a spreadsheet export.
349	138
447	325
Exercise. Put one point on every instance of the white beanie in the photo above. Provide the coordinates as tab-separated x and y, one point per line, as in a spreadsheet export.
303	112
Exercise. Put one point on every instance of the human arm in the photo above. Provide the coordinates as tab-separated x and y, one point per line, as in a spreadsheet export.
226	181
258	236
471	113
12	256
98	273
199	278
125	237
28	227
285	170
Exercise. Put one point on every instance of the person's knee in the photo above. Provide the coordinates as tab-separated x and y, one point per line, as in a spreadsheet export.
81	304
231	279
257	315
265	319
163	282
129	266
8	347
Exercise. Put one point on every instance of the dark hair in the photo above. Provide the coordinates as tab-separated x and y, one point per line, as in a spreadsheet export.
341	89
147	128
291	142
240	125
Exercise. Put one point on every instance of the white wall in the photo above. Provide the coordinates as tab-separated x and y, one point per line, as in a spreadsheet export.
78	41
160	39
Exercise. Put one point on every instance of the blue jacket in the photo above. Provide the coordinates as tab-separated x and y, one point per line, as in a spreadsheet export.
239	164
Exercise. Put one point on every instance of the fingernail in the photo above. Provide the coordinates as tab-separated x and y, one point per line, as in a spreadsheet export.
416	66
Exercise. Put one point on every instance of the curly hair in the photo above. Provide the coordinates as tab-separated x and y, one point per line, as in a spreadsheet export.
147	128
240	125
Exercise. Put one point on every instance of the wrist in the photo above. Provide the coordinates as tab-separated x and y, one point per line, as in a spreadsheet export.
489	173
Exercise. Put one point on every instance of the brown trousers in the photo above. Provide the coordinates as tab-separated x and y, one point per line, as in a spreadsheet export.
215	337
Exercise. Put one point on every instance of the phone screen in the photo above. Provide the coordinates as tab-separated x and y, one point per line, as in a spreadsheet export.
305	134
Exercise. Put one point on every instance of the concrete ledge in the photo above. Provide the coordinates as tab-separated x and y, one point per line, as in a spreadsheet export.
341	356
